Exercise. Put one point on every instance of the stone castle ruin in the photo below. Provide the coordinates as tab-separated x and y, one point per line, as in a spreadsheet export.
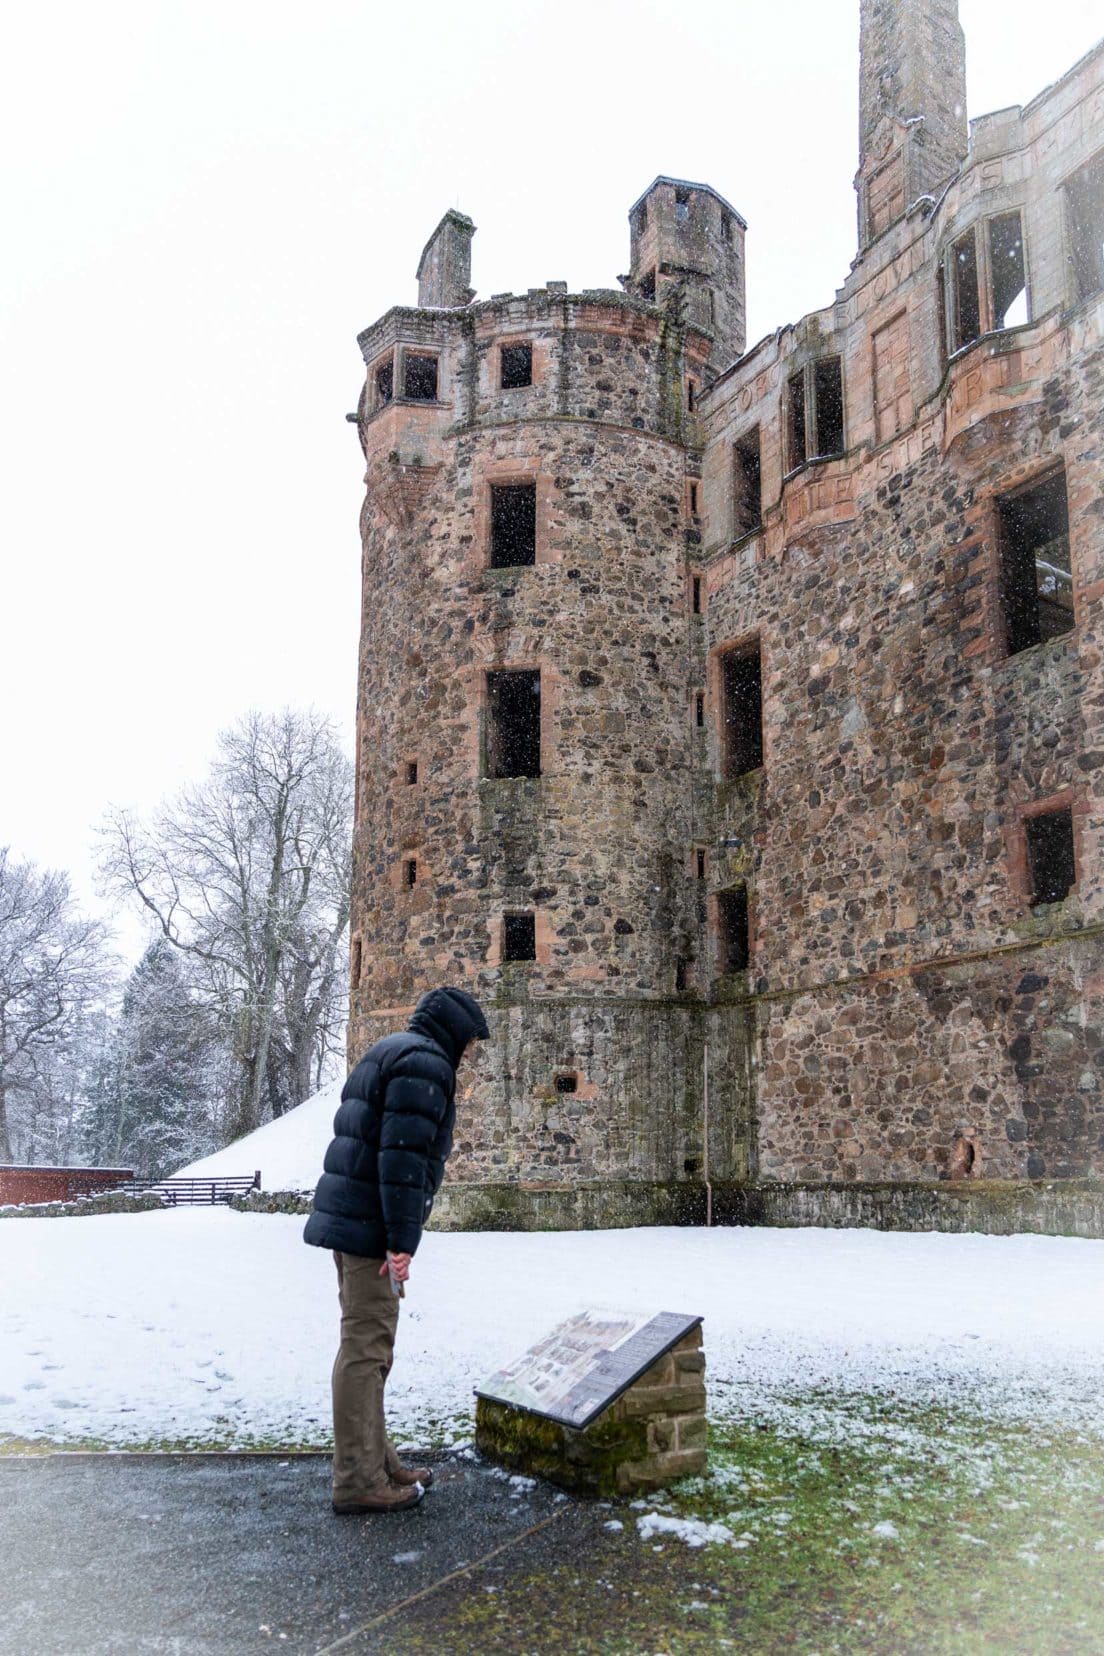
732	721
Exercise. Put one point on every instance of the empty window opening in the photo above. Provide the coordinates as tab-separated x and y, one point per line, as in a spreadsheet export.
747	485
1037	581
517	366
795	422
726	228
1050	855
963	1157
513	525
742	685
420	378
354	964
410	872
411	771
1085	199
964	288
519	937
695	588
1006	266
699	862
642	218
693	500
385	383
648	286
682	204
733	942
513	723
567	1082
828	406
699	710
682	976
691	395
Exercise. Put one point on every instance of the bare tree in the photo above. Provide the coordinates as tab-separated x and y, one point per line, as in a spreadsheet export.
53	965
248	875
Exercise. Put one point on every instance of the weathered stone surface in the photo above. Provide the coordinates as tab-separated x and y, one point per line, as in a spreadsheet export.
906	1017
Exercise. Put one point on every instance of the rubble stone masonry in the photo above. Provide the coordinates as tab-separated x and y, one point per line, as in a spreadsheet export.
907	1011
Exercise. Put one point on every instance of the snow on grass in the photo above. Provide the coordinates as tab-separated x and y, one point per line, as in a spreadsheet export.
215	1326
694	1531
288	1152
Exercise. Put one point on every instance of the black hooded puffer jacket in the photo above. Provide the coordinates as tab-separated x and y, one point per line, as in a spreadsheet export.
394	1132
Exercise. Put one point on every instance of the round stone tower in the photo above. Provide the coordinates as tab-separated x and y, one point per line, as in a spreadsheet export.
529	757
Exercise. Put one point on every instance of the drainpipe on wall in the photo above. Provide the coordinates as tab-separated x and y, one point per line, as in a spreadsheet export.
705	1136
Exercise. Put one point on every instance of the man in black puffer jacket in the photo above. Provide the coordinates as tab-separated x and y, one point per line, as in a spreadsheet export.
382	1171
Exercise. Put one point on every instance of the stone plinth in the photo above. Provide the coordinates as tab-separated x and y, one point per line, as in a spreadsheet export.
651	1435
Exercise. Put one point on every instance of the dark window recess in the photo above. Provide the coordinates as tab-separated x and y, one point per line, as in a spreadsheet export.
411	770
691	395
1050	856
410	872
695	588
941	300
733	943
700	863
354	965
747	485
682	204
964	290
742	683
567	1083
513	525
828	406
795	422
1037	583
385	383
693	500
699	710
519	937
682	976
1006	265
1085	198
420	378
513	723
642	219
648	286
726	228
517	366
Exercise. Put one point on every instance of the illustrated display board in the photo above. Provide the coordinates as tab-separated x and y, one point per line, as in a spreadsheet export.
584	1365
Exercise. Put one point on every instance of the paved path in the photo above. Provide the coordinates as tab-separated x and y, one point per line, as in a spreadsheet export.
210	1554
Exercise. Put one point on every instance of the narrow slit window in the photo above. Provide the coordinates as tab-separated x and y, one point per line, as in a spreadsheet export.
699	710
517	366
699	863
742	685
726	228
411	772
795	422
1050	856
696	594
682	976
733	940
354	964
747	485
828	406
385	383
682	204
1036	576
1085	201
420	378
513	525
691	395
519	936
693	500
513	723
967	308
648	287
567	1083
410	872
1006	264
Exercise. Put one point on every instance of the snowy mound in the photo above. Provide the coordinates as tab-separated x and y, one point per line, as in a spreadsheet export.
288	1151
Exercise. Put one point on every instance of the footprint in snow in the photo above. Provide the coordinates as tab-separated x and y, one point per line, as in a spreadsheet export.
34	1385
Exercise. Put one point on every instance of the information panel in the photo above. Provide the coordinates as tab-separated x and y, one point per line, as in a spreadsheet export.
584	1365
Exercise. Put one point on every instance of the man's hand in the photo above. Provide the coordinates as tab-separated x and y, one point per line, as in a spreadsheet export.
399	1266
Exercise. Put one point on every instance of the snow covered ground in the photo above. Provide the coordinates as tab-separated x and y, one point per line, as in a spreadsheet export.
288	1151
208	1323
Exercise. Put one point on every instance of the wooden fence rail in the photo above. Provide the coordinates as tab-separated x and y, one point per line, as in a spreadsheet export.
192	1192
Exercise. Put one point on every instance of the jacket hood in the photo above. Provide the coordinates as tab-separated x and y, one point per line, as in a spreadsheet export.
452	1018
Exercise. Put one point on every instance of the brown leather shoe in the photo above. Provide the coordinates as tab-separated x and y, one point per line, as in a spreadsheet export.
404	1476
391	1498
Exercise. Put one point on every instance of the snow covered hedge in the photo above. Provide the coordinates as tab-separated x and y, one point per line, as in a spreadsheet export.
111	1201
272	1201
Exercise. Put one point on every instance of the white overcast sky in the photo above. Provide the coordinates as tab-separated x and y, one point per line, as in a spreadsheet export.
203	203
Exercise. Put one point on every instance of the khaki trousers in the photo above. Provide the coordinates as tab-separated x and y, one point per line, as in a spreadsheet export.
363	1453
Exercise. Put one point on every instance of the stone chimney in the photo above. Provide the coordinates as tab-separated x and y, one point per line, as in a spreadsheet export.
444	269
912	106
